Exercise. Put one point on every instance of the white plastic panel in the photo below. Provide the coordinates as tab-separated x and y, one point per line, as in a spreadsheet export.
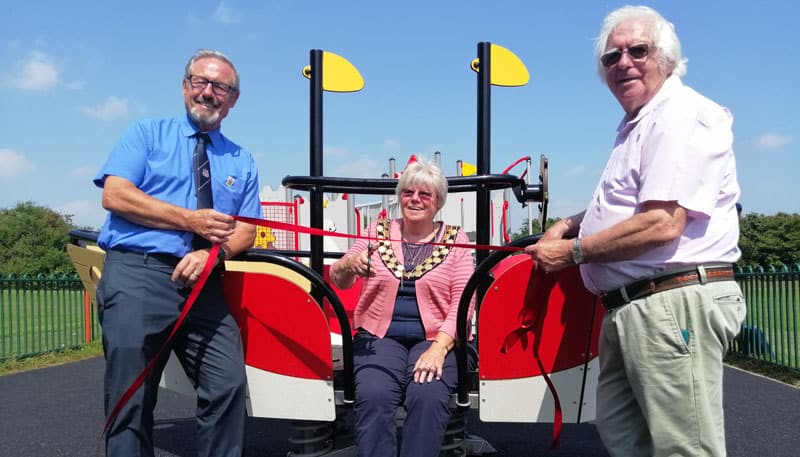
277	396
530	400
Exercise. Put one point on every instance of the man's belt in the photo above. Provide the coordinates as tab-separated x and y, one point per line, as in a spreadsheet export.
150	257
671	279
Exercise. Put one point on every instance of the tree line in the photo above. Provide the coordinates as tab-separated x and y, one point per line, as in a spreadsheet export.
33	239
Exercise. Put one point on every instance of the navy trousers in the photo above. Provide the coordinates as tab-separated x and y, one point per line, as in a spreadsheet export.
384	381
138	304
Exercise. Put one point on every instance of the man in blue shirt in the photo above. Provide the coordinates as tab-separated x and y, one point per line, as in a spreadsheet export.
157	243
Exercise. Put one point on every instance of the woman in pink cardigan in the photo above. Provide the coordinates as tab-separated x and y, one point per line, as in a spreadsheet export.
406	319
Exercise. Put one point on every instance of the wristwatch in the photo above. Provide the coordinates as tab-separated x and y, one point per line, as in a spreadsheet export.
577	252
222	255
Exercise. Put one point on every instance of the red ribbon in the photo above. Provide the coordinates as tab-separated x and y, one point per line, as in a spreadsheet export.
531	319
320	232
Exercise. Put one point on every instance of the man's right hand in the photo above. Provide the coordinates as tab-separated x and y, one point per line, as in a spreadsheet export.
212	225
551	255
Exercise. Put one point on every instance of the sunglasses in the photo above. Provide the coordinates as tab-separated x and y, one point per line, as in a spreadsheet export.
637	52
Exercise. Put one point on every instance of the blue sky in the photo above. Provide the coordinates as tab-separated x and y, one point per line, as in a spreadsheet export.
73	75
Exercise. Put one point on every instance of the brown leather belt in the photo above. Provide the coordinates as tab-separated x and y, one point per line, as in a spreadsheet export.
671	279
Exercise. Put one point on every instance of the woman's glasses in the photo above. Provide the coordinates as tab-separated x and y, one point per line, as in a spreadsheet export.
421	194
637	52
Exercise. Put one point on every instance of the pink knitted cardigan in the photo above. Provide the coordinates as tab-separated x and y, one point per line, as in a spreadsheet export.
438	291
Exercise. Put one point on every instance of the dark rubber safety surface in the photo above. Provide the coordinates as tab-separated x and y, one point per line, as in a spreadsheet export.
57	411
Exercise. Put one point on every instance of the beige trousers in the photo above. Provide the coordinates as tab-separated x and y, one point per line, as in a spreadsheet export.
659	391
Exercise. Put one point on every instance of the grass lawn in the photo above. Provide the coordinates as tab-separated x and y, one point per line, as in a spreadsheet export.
95	348
779	373
38	321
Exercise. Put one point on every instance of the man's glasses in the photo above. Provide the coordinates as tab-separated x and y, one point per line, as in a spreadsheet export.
637	52
200	83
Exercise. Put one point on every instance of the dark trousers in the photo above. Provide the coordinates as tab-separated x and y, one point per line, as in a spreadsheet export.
138	305
384	380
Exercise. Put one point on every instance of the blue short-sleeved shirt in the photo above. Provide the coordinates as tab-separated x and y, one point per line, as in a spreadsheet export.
156	156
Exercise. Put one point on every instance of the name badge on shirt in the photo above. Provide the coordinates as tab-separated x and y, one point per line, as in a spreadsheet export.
230	181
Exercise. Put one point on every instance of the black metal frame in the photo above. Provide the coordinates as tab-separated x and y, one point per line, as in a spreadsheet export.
319	288
478	282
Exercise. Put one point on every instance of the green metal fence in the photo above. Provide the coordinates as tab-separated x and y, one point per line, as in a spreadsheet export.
43	314
772	328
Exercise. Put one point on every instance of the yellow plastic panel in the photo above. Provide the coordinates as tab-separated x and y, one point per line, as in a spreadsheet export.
468	169
338	74
507	69
271	269
88	263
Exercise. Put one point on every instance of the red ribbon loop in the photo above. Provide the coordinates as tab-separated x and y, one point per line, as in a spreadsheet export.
531	318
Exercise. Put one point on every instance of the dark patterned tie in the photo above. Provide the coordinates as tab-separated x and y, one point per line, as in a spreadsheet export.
202	179
202	172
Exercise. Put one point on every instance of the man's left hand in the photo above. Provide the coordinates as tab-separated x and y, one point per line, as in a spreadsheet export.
191	267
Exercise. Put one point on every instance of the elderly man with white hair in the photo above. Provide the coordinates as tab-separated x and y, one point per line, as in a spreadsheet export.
656	243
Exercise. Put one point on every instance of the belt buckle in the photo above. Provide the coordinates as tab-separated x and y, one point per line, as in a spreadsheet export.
604	299
702	276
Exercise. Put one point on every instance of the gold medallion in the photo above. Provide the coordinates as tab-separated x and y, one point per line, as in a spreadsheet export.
391	262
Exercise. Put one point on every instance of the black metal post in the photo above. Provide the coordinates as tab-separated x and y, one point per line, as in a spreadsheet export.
315	158
483	162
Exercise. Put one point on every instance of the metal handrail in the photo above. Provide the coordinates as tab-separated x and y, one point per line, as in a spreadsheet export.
480	278
523	192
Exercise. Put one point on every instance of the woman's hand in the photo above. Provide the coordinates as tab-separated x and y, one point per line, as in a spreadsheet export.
430	364
345	271
361	264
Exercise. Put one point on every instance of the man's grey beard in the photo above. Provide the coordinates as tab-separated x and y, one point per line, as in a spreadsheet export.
203	120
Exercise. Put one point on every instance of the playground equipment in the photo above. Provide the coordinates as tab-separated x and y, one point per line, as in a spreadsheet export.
536	333
344	213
